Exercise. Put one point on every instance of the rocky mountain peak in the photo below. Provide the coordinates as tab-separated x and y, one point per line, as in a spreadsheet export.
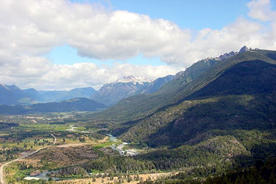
131	79
244	49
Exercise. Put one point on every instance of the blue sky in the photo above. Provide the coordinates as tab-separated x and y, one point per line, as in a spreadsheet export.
188	13
185	13
191	14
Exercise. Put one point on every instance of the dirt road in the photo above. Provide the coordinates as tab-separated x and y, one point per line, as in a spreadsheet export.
55	139
2	180
2	177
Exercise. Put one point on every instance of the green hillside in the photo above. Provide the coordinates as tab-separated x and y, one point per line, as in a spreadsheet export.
216	116
242	97
262	172
184	84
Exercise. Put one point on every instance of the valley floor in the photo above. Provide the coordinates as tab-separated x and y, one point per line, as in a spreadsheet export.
63	149
34	147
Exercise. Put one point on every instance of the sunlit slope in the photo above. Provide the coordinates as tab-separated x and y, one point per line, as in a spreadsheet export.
184	84
240	97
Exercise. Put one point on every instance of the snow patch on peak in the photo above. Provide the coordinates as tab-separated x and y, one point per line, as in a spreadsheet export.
132	79
226	55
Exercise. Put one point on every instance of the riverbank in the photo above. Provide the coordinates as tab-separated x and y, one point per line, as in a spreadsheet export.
121	147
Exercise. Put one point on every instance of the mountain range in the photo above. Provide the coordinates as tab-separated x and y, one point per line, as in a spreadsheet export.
75	104
132	99
108	94
12	95
234	92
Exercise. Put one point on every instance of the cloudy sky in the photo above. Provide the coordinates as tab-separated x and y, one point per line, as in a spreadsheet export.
63	44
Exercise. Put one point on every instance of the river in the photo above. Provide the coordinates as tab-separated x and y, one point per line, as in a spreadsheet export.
120	147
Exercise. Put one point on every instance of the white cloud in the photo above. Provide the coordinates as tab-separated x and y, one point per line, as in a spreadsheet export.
39	73
31	28
261	10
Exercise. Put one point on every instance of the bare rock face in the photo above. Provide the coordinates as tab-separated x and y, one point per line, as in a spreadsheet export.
244	49
111	93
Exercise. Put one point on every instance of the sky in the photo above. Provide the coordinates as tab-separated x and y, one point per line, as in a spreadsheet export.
65	44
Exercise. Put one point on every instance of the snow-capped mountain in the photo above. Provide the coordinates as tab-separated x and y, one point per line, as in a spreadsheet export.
132	79
111	93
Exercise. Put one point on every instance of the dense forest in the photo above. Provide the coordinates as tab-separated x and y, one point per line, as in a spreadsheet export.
262	172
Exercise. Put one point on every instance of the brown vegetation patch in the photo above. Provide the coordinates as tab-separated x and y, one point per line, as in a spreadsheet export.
107	180
66	156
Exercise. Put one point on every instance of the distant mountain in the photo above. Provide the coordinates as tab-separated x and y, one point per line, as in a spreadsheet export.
8	96
57	96
75	104
155	85
110	94
12	95
140	105
130	79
